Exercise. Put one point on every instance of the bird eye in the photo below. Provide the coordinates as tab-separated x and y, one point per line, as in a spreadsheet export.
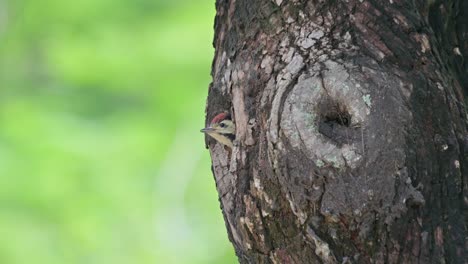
222	125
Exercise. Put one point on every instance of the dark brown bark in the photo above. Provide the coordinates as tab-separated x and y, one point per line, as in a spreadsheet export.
352	142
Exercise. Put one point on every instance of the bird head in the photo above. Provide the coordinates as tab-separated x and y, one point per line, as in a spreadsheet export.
222	129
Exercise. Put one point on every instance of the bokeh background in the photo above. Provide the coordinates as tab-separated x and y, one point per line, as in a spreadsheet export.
101	158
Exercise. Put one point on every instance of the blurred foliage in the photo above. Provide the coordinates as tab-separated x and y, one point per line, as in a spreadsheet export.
101	159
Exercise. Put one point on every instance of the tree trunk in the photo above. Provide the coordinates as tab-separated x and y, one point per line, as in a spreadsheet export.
351	142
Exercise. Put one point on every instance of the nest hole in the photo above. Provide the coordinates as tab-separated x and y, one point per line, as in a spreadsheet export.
339	118
335	122
334	113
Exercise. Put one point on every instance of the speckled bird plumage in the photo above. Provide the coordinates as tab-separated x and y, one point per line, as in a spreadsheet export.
222	129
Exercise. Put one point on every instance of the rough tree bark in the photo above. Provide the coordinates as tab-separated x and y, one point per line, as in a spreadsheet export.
351	141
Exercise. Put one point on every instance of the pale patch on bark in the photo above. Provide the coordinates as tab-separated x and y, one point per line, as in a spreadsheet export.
226	80
278	2
283	81
424	41
253	220
260	192
241	116
267	64
322	249
249	140
302	217
267	93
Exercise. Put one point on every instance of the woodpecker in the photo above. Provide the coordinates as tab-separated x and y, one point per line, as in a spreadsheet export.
222	129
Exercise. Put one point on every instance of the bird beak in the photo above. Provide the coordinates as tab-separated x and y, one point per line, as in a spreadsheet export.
207	130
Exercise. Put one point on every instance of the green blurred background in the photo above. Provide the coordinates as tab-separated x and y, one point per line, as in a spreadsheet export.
101	158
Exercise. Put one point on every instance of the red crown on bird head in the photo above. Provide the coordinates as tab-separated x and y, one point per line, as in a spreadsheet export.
220	117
